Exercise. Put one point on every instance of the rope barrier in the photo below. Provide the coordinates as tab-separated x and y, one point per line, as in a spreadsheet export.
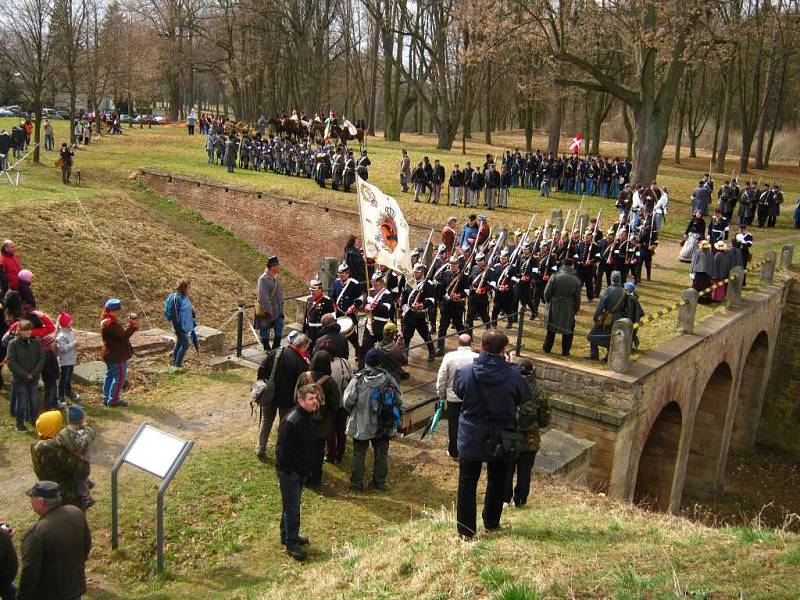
672	307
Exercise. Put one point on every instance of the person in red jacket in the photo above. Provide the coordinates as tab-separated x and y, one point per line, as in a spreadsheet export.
11	263
116	350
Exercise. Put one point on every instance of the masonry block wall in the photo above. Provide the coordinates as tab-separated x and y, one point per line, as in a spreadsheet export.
299	232
780	419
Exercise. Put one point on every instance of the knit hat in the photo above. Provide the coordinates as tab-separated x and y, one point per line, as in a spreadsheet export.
113	304
630	286
65	319
373	357
75	414
389	328
49	424
25	276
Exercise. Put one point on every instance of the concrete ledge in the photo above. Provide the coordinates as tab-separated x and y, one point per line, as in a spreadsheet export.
90	373
565	455
595	412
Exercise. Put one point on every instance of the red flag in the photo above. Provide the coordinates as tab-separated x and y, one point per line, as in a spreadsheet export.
575	145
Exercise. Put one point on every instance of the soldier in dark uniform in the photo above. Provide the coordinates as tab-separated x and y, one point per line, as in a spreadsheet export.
317	305
718	226
776	199
478	305
337	163
456	186
380	308
648	241
363	163
437	179
417	300
587	256
349	175
454	288
347	294
501	283
606	246
618	256
523	280
747	203
764	201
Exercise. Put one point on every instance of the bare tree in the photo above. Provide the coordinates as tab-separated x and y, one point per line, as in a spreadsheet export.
28	51
69	22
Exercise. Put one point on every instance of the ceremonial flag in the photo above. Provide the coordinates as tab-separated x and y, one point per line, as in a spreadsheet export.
384	229
575	145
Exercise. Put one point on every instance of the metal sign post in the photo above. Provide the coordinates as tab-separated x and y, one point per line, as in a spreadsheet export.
160	454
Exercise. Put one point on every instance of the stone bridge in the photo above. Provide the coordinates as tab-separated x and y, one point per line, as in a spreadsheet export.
664	428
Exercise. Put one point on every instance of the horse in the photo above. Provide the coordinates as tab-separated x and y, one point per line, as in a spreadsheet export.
340	133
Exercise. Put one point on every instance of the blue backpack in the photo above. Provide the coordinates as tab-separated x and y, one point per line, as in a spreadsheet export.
385	402
172	308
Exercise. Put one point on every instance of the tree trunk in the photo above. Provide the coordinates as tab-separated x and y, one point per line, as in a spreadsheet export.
722	150
652	128
553	125
595	133
372	103
679	131
529	129
778	110
487	130
626	121
758	154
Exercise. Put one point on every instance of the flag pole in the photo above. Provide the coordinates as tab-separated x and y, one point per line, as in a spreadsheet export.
364	243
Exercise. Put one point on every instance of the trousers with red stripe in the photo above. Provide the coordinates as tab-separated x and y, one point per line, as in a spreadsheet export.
113	382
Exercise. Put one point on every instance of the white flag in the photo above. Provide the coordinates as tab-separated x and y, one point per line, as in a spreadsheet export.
384	229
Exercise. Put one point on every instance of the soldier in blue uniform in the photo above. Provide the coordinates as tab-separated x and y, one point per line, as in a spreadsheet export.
454	288
417	299
347	294
317	305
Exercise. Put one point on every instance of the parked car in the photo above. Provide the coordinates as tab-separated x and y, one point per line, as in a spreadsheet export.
5	112
51	113
16	111
160	121
143	119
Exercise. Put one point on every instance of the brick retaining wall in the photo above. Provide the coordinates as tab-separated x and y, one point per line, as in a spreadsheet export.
298	231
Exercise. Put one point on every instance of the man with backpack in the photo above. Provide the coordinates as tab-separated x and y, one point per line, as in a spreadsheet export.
490	390
279	372
373	400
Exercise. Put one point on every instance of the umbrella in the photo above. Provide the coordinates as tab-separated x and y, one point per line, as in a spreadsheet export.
195	342
437	416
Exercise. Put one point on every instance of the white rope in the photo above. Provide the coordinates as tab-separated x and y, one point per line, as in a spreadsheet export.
113	254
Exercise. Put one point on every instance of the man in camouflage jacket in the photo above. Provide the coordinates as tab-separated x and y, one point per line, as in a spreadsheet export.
532	415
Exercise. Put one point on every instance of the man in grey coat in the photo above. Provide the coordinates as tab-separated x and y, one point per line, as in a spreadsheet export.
563	295
701	198
369	386
269	304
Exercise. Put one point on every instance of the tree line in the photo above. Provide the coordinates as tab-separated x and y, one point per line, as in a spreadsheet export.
670	70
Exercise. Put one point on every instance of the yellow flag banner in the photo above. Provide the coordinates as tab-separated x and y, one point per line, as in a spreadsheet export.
384	229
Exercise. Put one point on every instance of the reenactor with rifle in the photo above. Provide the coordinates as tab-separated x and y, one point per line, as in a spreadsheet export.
417	300
317	305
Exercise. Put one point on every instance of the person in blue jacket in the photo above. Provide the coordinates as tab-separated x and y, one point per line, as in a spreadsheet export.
490	389
179	311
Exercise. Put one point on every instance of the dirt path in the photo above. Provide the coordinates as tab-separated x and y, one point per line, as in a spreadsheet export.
210	412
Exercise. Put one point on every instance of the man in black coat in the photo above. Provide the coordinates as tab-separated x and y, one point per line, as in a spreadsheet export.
294	461
331	339
291	362
55	550
490	389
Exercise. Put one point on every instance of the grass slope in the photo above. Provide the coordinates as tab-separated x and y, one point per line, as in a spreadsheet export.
222	515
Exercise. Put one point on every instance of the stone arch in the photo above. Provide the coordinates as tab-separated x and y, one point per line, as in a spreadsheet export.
707	434
658	459
750	396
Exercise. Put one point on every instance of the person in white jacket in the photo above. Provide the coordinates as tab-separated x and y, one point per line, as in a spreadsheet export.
452	362
66	348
